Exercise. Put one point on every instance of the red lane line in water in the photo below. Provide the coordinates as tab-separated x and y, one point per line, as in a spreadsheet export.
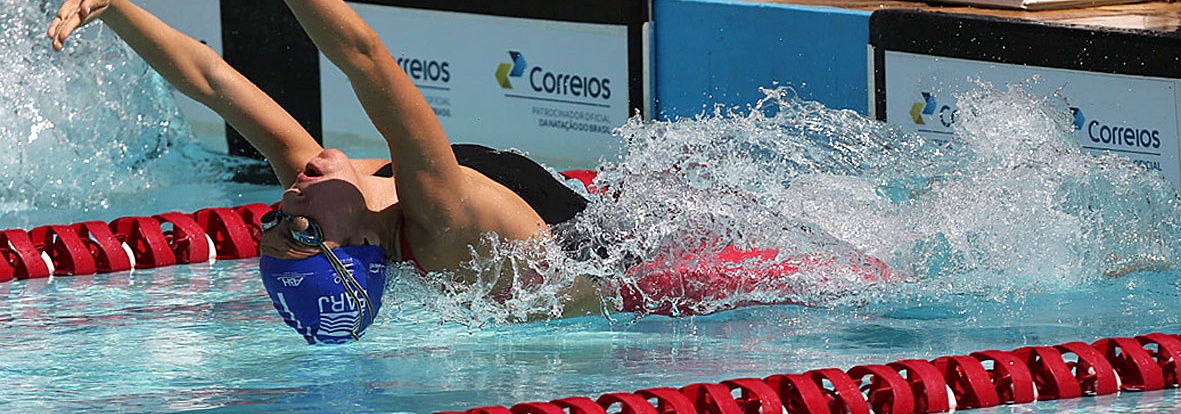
982	379
91	247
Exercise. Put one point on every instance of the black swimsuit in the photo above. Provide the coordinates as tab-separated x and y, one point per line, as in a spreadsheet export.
551	199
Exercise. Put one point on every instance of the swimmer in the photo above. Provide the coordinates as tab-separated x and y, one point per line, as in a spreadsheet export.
428	205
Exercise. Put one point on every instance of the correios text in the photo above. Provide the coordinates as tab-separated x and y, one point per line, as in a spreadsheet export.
1118	135
426	70
572	85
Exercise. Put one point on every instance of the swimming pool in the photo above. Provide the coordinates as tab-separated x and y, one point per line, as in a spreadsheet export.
203	337
955	220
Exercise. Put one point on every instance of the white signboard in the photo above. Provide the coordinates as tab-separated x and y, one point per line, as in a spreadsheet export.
552	89
1129	115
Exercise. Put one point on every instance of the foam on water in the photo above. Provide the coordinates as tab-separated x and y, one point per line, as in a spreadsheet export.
1011	206
88	127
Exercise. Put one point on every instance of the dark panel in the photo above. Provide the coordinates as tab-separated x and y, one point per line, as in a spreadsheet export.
879	84
262	39
621	12
635	65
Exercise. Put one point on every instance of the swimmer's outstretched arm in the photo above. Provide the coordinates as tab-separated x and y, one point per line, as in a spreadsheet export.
197	71
430	184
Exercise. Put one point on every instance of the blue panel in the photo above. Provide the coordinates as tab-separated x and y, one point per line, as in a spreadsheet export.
718	52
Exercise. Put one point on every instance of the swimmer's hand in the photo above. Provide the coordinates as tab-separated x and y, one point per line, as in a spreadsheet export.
72	15
277	242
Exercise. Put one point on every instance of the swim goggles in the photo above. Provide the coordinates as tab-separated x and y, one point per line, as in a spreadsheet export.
313	236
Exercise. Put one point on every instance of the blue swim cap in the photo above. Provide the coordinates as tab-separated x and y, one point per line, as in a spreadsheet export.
313	300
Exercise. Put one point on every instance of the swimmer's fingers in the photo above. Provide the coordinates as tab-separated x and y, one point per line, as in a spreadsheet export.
68	18
284	250
56	32
72	15
55	25
282	253
277	242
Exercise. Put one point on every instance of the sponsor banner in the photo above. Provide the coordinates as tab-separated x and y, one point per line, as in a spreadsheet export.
1133	116
553	89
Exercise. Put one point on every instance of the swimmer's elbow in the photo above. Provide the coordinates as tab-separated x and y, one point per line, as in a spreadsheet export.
206	77
361	56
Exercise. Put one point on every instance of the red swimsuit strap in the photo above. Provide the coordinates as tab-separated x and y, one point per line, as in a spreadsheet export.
404	249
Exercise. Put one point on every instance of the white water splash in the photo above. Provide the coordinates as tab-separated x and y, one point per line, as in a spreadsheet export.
1029	209
86	127
1010	206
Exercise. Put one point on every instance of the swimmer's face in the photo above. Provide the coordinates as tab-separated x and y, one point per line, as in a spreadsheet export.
328	192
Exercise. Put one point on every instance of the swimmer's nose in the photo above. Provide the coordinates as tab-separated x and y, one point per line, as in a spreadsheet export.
327	161
333	154
312	170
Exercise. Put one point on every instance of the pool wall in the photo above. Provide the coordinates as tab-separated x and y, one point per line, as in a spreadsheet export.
720	53
1120	86
681	58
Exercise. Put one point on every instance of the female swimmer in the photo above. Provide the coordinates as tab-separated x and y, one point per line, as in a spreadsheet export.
427	208
341	219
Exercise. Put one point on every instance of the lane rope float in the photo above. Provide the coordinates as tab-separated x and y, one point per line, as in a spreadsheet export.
126	243
978	380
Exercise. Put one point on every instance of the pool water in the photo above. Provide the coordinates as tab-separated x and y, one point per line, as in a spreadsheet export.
206	337
1007	237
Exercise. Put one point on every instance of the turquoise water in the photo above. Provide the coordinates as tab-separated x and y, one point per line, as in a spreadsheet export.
1008	237
205	337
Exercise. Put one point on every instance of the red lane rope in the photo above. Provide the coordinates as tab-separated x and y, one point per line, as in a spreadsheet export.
981	379
125	243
